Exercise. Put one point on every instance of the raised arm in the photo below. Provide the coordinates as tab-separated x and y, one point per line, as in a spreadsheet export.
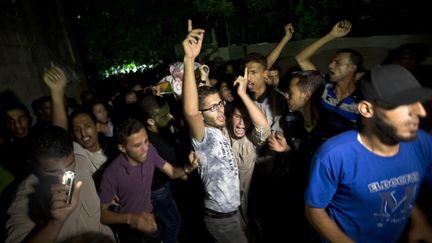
274	54
192	47
340	29
325	226
56	81
256	114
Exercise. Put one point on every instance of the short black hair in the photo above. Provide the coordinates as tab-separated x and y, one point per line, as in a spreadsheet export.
203	92
275	68
126	127
37	103
14	106
149	106
78	112
309	80
356	58
257	58
50	142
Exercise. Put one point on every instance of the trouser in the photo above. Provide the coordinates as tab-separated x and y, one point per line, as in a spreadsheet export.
125	234
166	209
225	227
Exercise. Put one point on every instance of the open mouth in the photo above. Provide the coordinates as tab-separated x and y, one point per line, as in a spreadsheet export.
85	139
250	85
413	126
239	130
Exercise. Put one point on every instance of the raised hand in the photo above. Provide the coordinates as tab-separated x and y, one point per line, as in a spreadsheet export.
277	142
289	30
242	81
341	28
194	160
60	209
55	78
193	42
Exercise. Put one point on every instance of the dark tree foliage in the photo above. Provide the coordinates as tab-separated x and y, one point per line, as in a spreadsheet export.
115	32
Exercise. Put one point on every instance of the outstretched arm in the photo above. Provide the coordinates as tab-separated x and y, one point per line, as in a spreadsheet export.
340	29
325	226
274	54
192	47
56	81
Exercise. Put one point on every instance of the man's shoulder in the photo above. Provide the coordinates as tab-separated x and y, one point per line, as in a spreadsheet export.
78	149
423	141
424	135
116	163
26	187
339	143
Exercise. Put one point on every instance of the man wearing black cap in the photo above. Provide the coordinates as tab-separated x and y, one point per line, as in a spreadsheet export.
363	184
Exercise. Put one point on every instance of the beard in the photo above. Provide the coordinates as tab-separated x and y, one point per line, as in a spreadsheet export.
168	132
386	132
210	121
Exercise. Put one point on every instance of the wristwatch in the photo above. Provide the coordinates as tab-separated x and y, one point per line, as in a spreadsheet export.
187	170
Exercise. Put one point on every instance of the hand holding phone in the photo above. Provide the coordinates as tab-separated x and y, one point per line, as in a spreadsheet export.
69	180
64	197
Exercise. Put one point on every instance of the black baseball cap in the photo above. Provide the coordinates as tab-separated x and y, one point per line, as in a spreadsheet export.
393	85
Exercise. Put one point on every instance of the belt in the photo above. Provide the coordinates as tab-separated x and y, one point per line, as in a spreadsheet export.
217	215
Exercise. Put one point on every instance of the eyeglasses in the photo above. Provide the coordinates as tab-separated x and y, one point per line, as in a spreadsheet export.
215	107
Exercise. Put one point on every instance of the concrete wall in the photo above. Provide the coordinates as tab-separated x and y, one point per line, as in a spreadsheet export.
374	49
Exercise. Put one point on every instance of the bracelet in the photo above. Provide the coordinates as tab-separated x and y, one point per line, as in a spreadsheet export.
186	170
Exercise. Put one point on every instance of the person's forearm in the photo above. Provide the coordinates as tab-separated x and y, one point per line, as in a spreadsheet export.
420	229
108	217
179	172
256	114
325	226
47	234
275	53
303	58
59	116
190	91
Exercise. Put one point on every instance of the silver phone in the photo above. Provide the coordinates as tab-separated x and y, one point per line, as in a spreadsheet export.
69	180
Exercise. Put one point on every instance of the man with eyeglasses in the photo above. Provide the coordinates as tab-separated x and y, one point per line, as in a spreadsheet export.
204	112
340	96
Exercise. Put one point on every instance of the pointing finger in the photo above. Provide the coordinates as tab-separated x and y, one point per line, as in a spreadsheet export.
189	25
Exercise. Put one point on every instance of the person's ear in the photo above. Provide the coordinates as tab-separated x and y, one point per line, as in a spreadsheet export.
365	109
266	72
121	148
307	94
151	122
359	75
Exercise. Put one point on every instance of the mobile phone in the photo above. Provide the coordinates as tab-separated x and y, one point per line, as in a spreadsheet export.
69	180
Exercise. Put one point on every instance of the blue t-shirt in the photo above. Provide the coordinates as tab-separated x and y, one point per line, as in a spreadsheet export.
346	108
370	197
